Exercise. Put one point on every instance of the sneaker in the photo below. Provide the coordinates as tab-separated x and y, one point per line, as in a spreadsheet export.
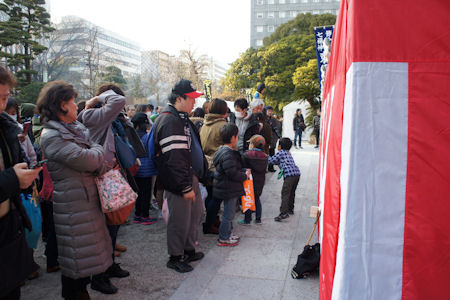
33	275
179	266
102	284
281	217
155	204
137	220
120	248
242	222
230	242
148	221
258	222
116	271
291	212
316	147
53	269
193	256
301	147
235	237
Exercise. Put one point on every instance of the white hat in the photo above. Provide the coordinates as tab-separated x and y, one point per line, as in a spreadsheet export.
256	103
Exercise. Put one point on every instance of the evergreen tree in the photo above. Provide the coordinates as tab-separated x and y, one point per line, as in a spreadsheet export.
112	74
27	22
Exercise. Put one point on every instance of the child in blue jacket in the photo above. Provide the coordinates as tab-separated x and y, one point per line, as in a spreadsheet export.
146	170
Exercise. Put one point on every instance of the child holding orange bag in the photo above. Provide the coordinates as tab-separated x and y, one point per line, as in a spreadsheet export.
256	160
228	182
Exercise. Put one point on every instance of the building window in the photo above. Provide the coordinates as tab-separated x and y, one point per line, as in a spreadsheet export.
282	1
327	11
282	14
260	2
259	43
316	1
271	14
259	28
270	28
293	1
293	13
270	1
304	1
260	15
315	12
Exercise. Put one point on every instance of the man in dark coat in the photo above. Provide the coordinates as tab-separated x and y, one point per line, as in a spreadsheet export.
16	259
181	163
276	133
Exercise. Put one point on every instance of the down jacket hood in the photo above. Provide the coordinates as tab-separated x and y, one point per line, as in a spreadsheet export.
211	119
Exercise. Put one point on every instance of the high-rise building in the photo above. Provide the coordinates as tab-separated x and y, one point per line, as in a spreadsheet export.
96	43
267	15
155	63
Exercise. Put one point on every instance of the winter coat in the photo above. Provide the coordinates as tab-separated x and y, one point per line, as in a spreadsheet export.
99	121
276	131
252	129
172	140
148	166
229	174
37	129
256	160
316	122
27	148
84	244
298	123
198	122
210	134
266	132
12	237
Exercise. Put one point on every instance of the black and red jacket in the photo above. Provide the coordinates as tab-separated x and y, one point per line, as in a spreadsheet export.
172	138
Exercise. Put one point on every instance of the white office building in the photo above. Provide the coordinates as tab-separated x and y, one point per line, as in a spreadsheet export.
267	15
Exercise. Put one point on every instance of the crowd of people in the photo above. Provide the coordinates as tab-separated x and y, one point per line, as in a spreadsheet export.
189	161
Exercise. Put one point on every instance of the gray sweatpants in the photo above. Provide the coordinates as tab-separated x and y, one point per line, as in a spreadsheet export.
185	217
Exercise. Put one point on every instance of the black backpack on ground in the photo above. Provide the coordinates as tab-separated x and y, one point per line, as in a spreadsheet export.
307	262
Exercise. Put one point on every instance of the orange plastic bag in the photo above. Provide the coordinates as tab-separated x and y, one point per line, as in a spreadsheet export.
248	201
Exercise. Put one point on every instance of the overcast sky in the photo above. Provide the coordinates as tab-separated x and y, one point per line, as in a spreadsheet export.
218	28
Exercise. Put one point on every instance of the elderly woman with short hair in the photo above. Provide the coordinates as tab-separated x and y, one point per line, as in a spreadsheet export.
74	161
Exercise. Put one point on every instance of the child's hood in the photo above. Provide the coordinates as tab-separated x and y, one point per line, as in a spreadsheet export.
256	160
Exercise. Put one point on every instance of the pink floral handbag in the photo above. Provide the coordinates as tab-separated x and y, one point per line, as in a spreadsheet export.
114	191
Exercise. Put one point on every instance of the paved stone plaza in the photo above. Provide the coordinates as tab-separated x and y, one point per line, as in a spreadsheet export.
259	268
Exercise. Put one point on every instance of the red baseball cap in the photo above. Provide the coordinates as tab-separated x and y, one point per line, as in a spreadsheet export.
185	87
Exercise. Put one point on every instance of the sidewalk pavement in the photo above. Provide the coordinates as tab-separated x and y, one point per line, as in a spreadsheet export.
258	268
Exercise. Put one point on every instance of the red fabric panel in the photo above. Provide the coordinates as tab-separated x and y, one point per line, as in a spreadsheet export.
426	256
400	31
331	212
